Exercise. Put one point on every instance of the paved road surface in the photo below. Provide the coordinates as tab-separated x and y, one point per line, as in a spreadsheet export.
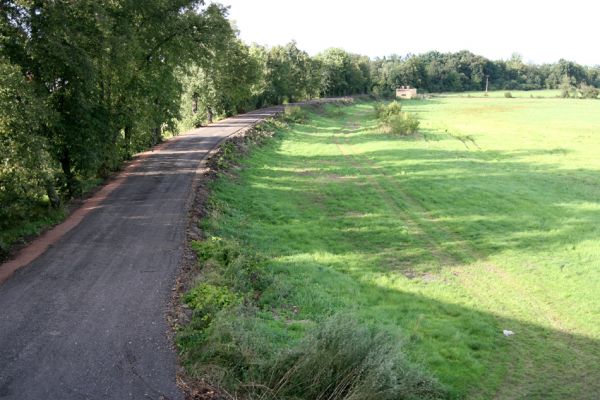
86	320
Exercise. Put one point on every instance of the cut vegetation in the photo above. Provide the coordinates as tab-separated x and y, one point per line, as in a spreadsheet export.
343	262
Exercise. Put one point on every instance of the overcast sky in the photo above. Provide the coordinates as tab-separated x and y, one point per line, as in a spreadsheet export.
541	31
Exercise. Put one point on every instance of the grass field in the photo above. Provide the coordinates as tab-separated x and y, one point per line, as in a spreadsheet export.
538	94
488	219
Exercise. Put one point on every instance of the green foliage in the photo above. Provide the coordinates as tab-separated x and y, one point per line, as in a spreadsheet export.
85	85
403	124
26	168
226	155
342	359
384	112
290	75
207	299
465	71
295	114
567	87
393	119
588	92
508	95
237	341
343	73
242	270
221	85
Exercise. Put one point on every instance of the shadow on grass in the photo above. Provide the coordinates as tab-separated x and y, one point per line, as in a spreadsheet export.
335	224
497	200
463	346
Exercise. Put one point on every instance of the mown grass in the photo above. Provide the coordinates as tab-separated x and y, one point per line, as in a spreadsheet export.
538	94
488	219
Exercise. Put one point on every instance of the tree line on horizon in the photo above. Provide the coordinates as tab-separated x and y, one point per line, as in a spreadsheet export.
86	84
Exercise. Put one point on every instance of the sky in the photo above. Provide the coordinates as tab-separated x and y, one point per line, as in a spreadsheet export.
541	31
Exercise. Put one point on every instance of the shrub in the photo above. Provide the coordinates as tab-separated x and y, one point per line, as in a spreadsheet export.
403	124
508	95
588	91
385	112
294	114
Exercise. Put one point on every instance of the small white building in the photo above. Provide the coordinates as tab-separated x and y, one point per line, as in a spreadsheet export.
406	92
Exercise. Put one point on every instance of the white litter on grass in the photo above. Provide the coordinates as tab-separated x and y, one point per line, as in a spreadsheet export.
508	333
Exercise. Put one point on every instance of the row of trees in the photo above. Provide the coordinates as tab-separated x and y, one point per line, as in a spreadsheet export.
244	77
84	84
241	77
465	71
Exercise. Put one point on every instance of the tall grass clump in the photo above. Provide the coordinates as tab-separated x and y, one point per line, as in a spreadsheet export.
343	360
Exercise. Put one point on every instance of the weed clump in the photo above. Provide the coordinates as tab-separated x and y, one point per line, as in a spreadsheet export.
207	299
508	95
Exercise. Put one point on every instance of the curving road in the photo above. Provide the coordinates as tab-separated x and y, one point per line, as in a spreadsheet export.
86	319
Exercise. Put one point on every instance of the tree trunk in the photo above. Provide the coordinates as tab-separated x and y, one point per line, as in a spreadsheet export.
52	195
155	135
65	164
209	115
194	104
128	142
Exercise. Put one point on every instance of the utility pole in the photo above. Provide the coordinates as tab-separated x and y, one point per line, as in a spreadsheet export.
487	81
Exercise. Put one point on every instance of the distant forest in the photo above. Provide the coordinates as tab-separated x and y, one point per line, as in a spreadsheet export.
465	71
86	84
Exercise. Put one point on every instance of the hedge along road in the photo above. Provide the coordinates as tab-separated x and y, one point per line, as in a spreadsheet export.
86	319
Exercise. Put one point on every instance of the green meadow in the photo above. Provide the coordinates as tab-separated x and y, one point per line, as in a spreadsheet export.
486	220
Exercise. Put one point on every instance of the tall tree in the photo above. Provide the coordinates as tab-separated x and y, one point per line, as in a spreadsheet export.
106	68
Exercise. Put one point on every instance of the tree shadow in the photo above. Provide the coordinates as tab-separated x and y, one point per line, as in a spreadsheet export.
363	225
464	346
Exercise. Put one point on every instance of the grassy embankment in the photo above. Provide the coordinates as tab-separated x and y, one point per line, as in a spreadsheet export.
489	219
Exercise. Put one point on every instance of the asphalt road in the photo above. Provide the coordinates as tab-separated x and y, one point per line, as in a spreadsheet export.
86	319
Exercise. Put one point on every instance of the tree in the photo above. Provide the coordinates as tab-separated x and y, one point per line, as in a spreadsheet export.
224	83
344	73
106	70
26	170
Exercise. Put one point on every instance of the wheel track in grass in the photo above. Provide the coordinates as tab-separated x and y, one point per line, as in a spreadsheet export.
438	253
424	227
